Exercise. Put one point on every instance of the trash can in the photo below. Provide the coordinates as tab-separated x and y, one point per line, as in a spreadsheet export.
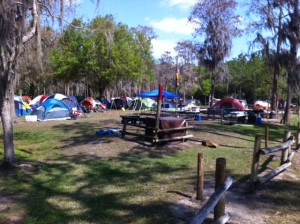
259	120
198	117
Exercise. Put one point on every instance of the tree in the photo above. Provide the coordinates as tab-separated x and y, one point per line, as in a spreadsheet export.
271	17
166	70
217	24
291	34
36	77
103	55
281	18
19	21
185	62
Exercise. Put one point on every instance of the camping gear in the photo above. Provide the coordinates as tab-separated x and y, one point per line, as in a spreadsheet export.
30	118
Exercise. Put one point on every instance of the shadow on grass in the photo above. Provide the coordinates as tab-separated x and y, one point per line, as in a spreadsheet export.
88	189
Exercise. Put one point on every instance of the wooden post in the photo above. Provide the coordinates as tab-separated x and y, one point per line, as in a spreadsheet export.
124	126
200	175
255	161
285	152
159	102
298	136
266	136
220	177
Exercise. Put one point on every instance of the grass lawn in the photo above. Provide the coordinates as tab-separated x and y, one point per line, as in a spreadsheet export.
68	174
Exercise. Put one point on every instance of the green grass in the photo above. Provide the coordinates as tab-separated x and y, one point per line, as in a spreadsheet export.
130	187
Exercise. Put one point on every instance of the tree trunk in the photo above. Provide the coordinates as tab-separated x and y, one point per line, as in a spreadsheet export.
213	89
6	99
7	122
286	117
274	91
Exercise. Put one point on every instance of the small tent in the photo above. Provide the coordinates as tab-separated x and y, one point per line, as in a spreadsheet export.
19	106
261	105
88	103
120	102
142	104
52	109
229	103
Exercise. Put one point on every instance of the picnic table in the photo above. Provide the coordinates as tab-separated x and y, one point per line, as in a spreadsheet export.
170	128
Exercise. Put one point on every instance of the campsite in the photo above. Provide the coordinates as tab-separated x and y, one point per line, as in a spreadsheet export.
145	112
69	174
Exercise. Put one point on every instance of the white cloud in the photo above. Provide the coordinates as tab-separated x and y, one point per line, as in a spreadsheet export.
183	4
173	25
161	46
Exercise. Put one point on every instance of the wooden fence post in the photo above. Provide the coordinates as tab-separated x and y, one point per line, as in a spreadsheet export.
220	177
285	152
266	136
200	177
255	161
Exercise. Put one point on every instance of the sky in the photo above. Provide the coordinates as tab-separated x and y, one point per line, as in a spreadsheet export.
168	18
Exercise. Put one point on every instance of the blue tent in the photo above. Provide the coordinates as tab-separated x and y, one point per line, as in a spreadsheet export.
154	93
19	106
52	109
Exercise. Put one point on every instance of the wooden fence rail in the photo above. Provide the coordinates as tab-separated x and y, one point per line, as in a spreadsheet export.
286	157
212	202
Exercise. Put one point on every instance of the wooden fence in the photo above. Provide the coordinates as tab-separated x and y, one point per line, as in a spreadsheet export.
217	199
285	161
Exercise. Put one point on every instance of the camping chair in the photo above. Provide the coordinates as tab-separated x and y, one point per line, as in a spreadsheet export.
86	110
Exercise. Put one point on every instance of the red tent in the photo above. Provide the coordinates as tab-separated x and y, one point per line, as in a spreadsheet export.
88	103
229	103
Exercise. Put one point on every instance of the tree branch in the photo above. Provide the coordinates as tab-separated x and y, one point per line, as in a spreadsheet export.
32	31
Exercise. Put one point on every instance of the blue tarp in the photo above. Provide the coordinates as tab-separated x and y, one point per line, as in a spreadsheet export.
154	93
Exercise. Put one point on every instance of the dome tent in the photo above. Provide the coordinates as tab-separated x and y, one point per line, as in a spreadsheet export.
52	109
229	103
142	104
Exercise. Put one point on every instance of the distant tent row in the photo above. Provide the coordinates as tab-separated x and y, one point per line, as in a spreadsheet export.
59	106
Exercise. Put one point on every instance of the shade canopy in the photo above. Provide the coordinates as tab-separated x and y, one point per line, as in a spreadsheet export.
154	93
